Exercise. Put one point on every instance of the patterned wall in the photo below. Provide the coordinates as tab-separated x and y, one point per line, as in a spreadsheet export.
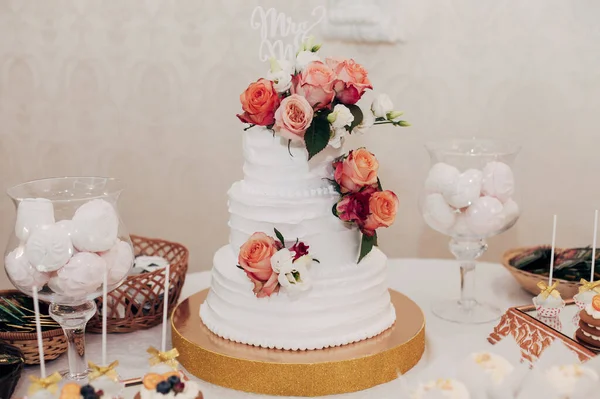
147	91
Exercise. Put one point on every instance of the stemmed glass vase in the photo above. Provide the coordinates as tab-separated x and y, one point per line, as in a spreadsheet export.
67	242
469	194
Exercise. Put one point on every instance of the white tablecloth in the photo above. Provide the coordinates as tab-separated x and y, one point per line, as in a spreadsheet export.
423	280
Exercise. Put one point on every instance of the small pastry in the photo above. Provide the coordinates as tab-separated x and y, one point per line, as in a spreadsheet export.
96	226
49	248
465	190
548	303
589	324
437	213
169	385
565	380
21	272
485	216
441	176
498	181
586	293
119	260
33	213
442	388
497	367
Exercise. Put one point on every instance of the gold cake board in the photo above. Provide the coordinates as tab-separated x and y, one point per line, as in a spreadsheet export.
343	369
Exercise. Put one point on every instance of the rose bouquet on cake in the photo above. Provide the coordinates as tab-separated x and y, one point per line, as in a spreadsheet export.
363	201
270	265
314	101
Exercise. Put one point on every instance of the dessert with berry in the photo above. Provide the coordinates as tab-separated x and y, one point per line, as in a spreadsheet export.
589	324
73	390
169	385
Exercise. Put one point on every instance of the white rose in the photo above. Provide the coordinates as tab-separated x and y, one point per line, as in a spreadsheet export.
281	74
281	260
366	123
340	117
337	138
304	58
295	278
382	105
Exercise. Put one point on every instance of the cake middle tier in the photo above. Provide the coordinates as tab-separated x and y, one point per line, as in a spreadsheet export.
305	216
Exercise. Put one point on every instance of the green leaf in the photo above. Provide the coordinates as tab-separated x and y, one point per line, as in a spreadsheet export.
316	260
334	210
358	116
379	185
367	245
280	237
317	136
239	267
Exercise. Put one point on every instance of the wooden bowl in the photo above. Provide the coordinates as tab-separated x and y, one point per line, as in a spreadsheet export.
529	280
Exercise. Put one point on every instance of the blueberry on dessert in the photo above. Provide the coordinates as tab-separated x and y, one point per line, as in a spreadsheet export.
158	386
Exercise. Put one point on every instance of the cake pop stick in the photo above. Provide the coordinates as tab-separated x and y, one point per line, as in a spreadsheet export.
38	330
552	252
594	245
163	345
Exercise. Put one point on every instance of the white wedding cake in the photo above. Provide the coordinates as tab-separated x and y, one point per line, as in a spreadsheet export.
302	269
348	302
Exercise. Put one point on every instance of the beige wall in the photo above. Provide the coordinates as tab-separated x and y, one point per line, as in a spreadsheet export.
148	91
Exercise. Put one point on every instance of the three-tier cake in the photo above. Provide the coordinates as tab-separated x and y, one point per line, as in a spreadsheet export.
302	269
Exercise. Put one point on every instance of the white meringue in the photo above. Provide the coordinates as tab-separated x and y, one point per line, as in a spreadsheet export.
440	177
96	226
498	181
485	217
119	260
67	225
461	228
48	248
511	211
81	276
21	272
466	189
33	213
437	213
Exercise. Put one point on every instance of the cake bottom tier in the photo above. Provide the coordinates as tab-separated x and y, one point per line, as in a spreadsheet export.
347	303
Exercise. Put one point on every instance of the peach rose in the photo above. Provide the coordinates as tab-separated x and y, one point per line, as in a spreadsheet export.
293	117
358	170
315	84
383	206
351	82
259	103
255	258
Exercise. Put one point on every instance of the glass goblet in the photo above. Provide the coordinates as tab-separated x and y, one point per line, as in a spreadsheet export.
67	241
469	195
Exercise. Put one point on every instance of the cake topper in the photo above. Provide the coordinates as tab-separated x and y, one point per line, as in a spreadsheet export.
280	36
587	290
549	303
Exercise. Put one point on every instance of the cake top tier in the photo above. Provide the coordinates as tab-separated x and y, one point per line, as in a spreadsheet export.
273	164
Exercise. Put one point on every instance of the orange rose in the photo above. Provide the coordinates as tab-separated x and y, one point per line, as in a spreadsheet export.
255	258
315	84
358	170
259	103
352	80
293	117
383	206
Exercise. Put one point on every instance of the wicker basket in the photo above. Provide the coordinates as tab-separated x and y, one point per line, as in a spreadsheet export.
10	373
55	342
138	303
529	280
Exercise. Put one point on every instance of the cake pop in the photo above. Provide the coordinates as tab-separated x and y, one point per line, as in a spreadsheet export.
442	388
588	290
549	303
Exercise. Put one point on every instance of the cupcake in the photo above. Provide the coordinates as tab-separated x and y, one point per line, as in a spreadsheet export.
168	386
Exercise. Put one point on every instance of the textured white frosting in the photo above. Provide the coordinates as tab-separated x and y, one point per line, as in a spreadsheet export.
348	302
443	388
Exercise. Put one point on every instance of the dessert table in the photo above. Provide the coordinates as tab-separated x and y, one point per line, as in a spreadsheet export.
423	280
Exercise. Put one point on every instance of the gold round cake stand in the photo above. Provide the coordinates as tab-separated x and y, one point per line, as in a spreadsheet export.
342	369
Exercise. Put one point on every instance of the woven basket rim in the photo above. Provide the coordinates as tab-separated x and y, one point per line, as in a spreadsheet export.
510	254
181	247
20	336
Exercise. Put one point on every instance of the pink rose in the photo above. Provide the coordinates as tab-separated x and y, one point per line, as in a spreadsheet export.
354	207
383	206
293	117
259	102
255	258
357	170
315	84
351	82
